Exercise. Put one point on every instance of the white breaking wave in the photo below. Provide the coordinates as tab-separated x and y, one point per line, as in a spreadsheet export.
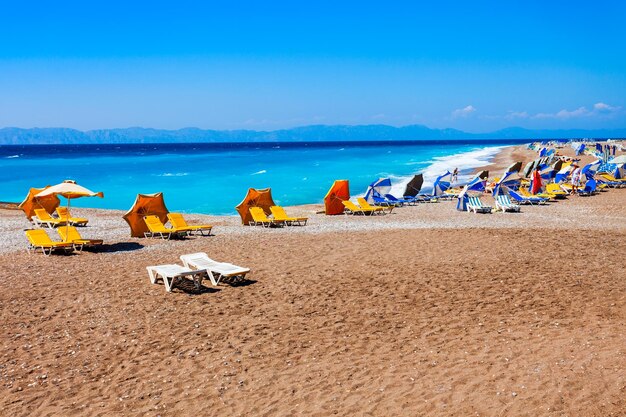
263	171
466	162
173	174
12	156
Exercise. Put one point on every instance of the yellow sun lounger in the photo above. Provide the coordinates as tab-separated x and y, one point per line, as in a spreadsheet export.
367	206
555	190
156	228
354	209
71	235
178	222
43	218
39	239
279	214
526	193
65	216
609	177
260	219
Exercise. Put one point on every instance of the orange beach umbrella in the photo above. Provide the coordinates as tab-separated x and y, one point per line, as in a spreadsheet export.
30	203
145	205
340	191
255	198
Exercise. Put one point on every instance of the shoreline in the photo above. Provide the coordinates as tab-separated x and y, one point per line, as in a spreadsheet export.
108	224
403	180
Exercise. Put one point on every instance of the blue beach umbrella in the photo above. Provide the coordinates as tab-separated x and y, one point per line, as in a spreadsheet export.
618	160
590	170
379	187
441	185
475	187
507	181
562	175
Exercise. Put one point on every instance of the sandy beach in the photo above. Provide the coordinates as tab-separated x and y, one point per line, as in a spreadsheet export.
426	311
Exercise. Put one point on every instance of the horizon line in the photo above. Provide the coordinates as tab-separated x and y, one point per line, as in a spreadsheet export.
311	125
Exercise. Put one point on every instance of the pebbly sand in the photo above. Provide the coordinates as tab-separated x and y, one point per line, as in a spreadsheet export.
427	311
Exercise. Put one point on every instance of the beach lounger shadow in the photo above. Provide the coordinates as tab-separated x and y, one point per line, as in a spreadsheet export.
187	286
237	281
120	247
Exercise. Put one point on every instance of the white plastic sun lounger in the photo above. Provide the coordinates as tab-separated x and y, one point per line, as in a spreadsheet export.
215	270
170	273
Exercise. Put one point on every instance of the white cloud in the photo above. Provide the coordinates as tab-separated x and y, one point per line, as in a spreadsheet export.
564	114
599	109
604	108
464	112
517	115
579	112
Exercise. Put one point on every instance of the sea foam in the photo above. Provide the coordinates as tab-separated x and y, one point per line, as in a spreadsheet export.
466	162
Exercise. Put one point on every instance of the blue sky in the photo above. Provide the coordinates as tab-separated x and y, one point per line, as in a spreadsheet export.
476	66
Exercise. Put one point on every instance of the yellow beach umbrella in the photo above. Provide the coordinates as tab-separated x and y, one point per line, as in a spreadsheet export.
68	189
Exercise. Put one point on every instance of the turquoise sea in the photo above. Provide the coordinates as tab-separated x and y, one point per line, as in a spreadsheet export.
214	178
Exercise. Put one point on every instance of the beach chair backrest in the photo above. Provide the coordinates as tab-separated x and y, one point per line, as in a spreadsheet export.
42	214
258	215
590	186
63	212
363	202
38	237
391	197
278	212
177	220
350	205
199	259
475	201
68	233
154	224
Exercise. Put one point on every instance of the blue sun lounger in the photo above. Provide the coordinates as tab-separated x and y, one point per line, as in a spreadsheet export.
397	201
589	189
527	200
422	198
381	201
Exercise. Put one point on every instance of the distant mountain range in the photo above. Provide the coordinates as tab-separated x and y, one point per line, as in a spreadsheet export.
314	133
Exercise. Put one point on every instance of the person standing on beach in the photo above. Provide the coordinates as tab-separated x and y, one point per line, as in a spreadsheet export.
575	179
455	174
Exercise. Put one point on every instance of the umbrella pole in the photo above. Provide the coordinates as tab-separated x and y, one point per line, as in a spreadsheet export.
67	222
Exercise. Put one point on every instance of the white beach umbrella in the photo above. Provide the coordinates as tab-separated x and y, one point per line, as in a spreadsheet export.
69	189
618	160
